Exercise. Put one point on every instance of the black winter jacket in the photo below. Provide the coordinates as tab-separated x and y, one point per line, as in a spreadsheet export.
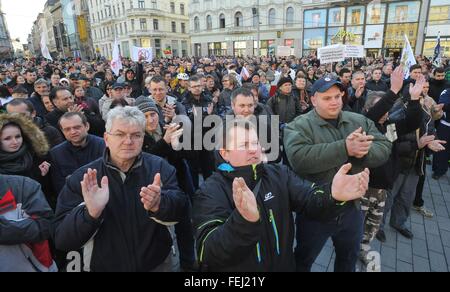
226	242
126	238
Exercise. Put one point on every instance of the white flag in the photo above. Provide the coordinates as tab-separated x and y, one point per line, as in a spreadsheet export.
408	58
116	62
146	53
44	49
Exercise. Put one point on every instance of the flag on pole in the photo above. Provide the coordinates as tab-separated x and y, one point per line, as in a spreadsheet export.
116	62
44	49
408	58
437	52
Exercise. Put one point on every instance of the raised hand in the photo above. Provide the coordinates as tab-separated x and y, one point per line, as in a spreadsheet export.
171	131
151	195
245	201
397	79
347	187
416	90
75	109
95	198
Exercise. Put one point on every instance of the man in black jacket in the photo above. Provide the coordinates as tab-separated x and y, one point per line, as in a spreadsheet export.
79	149
243	213
197	104
376	83
64	102
122	225
438	84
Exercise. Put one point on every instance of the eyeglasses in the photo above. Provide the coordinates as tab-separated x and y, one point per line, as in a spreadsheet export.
123	136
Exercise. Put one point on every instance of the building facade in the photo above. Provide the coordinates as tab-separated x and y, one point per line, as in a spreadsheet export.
6	49
161	25
438	22
379	26
230	27
77	28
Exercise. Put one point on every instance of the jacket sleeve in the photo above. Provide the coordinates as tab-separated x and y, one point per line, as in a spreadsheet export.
311	200
382	107
173	201
34	229
73	226
224	237
57	178
306	157
139	73
413	119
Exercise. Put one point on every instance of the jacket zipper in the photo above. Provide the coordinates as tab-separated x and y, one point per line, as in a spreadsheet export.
275	230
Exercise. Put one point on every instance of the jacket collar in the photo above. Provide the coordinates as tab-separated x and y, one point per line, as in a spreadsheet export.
108	163
343	119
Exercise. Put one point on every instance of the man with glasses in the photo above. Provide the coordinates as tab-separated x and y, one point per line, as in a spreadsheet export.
120	211
167	105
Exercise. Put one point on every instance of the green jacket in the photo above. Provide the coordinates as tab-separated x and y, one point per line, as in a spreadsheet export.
317	150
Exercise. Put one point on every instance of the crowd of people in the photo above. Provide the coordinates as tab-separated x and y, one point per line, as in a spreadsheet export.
94	163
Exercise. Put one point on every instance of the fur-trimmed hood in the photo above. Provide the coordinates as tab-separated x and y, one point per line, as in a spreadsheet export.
31	133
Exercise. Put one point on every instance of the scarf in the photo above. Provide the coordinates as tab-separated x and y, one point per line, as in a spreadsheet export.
16	163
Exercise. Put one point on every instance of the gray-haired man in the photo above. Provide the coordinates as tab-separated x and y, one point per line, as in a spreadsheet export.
121	225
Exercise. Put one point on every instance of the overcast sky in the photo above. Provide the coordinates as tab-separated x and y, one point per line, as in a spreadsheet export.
20	15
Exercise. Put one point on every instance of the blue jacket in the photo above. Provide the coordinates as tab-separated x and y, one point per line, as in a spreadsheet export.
66	159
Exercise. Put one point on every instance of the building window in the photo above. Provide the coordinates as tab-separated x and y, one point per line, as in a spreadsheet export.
402	12
222	21
240	49
184	49
290	16
272	16
183	27
376	13
217	49
182	12
266	47
143	23
238	19
155	24
141	4
315	18
336	16
355	15
255	16
209	22
196	24
154	4
132	24
439	12
158	47
172	7
174	26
